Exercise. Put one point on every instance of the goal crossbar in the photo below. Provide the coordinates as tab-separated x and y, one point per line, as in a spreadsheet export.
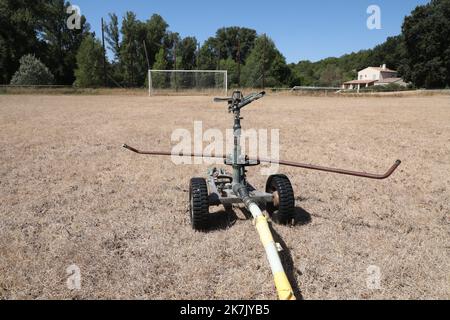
151	80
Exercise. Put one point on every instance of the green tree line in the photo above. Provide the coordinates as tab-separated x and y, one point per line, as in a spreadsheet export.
421	53
39	27
37	30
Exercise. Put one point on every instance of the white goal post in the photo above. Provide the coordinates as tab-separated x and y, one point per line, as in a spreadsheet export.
194	82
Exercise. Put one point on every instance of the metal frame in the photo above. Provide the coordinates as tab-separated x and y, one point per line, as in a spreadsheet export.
224	72
228	189
221	192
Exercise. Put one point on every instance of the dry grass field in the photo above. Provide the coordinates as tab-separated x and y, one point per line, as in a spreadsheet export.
71	195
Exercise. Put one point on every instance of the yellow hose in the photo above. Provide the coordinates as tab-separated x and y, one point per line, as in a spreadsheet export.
282	284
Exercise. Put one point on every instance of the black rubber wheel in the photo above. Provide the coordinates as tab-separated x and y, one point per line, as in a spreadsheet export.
283	208
198	204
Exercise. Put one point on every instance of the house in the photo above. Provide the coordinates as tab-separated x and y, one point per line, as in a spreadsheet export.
374	76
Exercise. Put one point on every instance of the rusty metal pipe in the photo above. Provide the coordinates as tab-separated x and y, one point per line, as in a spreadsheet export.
281	162
166	153
338	171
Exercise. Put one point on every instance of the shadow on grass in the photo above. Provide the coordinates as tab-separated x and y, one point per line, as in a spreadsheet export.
222	219
301	217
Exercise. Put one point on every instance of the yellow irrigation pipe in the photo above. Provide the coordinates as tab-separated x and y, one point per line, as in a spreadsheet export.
282	284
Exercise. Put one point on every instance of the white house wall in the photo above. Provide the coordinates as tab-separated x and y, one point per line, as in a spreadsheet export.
369	74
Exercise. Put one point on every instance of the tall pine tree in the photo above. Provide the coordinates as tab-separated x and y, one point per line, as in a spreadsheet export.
89	71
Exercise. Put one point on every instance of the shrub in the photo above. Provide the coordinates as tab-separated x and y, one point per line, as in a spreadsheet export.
32	72
387	88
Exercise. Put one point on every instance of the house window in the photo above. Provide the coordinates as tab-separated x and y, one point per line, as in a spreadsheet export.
360	77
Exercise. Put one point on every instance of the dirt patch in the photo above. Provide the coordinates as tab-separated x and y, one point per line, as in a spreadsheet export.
71	195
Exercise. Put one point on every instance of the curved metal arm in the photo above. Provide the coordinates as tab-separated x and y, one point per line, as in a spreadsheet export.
229	100
249	99
281	162
338	171
238	101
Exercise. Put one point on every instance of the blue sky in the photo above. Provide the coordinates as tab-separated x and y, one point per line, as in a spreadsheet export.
301	29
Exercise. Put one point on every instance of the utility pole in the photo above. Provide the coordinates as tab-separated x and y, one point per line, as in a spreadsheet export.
146	54
175	64
198	54
197	64
264	63
218	58
238	57
175	55
104	55
149	77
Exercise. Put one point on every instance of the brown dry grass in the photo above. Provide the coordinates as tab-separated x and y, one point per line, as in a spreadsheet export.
70	194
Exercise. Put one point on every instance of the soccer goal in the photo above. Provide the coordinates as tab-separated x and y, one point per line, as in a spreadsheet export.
187	82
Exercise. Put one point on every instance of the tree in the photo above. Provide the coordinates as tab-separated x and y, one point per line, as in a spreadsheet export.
39	27
4	57
187	52
229	43
155	32
236	44
112	35
61	43
161	60
207	59
233	38
19	29
170	42
331	76
391	52
131	58
135	33
279	72
32	72
265	65
89	72
427	42
231	66
159	79
304	70
208	55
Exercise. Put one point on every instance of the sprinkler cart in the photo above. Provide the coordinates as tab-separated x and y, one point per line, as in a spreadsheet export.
221	188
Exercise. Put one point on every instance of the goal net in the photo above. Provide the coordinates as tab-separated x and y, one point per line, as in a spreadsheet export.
193	82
